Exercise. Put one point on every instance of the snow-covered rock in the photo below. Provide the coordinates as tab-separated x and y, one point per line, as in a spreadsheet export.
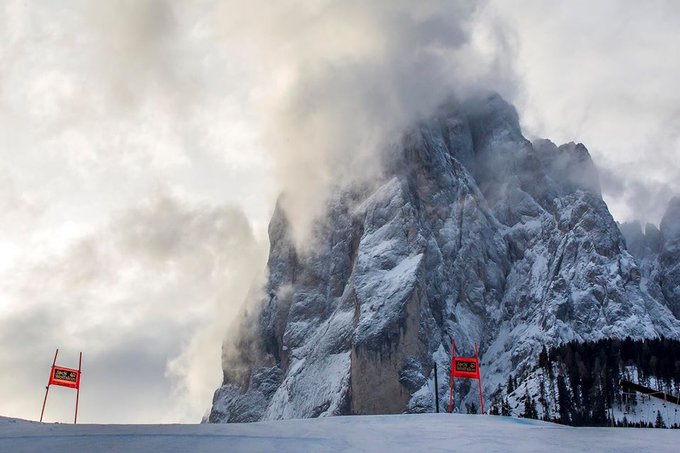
658	253
473	234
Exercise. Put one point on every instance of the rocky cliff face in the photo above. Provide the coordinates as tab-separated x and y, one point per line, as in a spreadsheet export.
474	234
658	252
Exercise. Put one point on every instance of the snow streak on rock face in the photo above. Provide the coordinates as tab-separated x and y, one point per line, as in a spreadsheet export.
474	234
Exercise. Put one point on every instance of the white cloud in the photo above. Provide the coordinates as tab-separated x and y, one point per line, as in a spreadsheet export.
340	81
604	73
148	299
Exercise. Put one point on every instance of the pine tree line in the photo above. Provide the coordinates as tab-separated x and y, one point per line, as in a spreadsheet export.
578	383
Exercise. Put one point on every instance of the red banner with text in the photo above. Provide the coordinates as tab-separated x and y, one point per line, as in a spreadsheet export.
66	377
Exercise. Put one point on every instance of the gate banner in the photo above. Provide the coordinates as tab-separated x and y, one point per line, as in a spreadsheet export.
465	368
66	377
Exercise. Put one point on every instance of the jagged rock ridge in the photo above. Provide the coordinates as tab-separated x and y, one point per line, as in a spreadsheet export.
474	233
658	252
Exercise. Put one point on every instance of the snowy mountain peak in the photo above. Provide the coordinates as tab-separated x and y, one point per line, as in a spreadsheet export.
474	234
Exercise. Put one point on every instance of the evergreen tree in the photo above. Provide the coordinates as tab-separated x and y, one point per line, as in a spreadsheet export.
495	408
543	400
564	401
543	358
505	407
511	385
659	421
529	407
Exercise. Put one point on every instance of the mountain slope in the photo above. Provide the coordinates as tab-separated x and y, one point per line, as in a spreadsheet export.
473	234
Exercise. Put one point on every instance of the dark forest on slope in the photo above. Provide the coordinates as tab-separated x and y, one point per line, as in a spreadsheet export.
579	383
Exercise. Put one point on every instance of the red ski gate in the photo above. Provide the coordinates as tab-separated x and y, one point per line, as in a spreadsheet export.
465	368
64	377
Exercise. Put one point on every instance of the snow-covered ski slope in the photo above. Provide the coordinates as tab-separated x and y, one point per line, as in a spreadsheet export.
383	433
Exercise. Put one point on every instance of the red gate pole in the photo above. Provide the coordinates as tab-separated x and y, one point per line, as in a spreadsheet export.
80	362
450	393
47	389
479	380
453	352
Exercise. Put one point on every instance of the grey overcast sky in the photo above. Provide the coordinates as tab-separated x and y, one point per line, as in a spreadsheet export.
143	143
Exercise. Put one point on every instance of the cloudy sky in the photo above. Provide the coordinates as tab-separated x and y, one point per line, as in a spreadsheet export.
143	144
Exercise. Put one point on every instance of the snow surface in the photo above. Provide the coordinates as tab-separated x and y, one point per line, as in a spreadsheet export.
384	433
